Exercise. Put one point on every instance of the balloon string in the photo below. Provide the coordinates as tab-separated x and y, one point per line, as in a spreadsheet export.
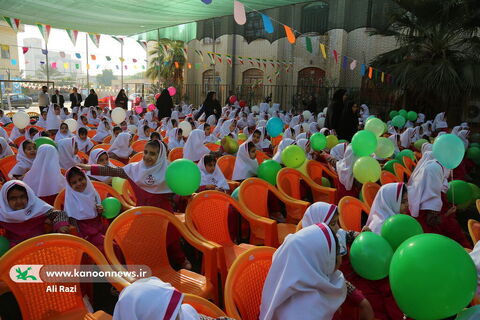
453	189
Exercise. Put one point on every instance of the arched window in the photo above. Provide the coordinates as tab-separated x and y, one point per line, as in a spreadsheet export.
252	76
252	85
310	77
208	80
315	17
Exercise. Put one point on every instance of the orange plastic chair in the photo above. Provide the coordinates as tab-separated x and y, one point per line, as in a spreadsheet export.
477	203
104	146
128	194
388	177
165	140
117	163
317	170
91	133
369	191
288	182
409	163
107	139
402	173
261	156
136	157
148	226
226	163
139	145
19	140
244	285
104	191
212	146
276	141
52	249
83	156
474	230
350	213
207	217
6	164
175	153
163	133
203	306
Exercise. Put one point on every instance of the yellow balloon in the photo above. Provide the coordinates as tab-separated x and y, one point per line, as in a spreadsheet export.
303	168
332	141
117	184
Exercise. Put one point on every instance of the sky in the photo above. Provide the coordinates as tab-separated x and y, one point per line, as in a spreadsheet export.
60	41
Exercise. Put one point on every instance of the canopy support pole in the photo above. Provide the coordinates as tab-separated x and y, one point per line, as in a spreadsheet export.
214	48
88	66
159	61
48	65
121	64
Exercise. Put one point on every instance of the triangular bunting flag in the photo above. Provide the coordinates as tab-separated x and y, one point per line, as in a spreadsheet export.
290	34
118	39
45	52
219	57
272	63
177	65
44	30
13	23
353	65
239	12
344	62
25	49
73	34
78	55
383	76
240	59
142	43
264	63
122	59
65	65
95	37
189	65
108	58
94	57
267	23
269	79
308	44
229	59
54	65
250	60
62	54
370	72
77	66
211	56
363	69
322	49
335	55
134	60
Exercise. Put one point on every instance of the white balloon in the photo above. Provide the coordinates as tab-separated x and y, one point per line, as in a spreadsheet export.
118	115
321	122
186	128
255	109
306	114
325	110
71	123
21	120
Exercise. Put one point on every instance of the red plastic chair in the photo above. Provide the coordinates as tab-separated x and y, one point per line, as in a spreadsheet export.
474	230
409	163
104	146
128	194
139	145
388	177
369	191
350	213
175	153
107	139
317	170
226	163
212	146
18	141
91	133
402	173
136	157
7	164
261	156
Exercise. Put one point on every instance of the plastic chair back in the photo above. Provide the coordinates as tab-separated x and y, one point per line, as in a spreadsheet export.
129	194
227	164
261	156
136	157
139	145
402	173
91	133
104	146
83	156
369	191
276	141
317	171
388	177
19	140
175	153
203	306
117	163
7	164
477	203
52	249
409	163
107	139
350	213
474	230
212	146
245	280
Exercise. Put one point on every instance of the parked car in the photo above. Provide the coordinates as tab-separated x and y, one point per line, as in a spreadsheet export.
17	100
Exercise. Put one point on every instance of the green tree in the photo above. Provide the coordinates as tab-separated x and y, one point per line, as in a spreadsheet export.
41	73
162	65
105	78
437	61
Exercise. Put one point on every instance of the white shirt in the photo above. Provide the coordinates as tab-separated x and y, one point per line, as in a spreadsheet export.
43	99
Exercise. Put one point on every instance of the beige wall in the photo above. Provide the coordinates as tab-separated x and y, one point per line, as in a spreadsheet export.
9	37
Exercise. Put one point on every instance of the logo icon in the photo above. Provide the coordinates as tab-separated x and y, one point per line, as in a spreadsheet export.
149	180
23	275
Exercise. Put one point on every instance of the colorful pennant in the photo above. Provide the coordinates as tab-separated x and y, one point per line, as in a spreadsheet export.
95	37
72	34
44	30
239	13
25	50
267	23
13	23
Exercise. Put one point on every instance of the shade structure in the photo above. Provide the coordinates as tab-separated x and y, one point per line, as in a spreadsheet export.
123	17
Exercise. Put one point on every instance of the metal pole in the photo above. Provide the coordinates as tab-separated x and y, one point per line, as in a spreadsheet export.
121	64
48	65
158	56
213	46
88	67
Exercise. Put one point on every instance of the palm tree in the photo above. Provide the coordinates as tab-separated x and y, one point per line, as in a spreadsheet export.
163	63
52	73
437	61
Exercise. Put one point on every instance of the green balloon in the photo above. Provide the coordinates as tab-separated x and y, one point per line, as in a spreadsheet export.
183	177
370	117
475	191
318	141
472	313
475	144
419	143
370	256
111	207
403	113
388	166
475	137
332	141
459	192
398	121
293	156
412	115
4	245
268	170
44	140
385	148
231	146
235	193
432	277
326	182
473	153
366	169
399	228
405	153
393	114
342	141
242	136
364	143
376	126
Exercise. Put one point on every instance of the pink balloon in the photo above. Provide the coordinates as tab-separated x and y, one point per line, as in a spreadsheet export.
172	91
157	96
151	107
138	109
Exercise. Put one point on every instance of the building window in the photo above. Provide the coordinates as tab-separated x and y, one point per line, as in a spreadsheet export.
252	77
5	51
310	77
315	17
254	27
208	80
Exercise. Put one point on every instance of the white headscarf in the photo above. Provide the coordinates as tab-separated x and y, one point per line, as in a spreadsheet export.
81	205
151	298
102	132
463	134
216	178
121	146
393	137
345	168
439	121
66	151
302	143
6	150
426	129
211	120
93	159
303	277
338	151
317	213
283	144
225	129
4	135
194	148
53	121
386	204
406	137
35	207
314	127
262	143
173	142
475	255
83	145
42	123
244	166
425	190
23	163
150	179
16	133
288	134
421	118
59	136
365	112
45	177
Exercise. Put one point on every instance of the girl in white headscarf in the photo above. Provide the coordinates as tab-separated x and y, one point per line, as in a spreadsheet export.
229	127
83	203
425	130
42	120
27	218
16	133
338	151
4	135
26	155
209	137
212	175
45	177
92	117
100	157
246	164
259	139
390	200
63	133
103	131
304	273
176	140
53	118
194	148
395	138
67	150
406	137
440	122
219	125
364	112
289	133
475	255
120	149
5	149
84	143
463	134
283	144
211	120
345	174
